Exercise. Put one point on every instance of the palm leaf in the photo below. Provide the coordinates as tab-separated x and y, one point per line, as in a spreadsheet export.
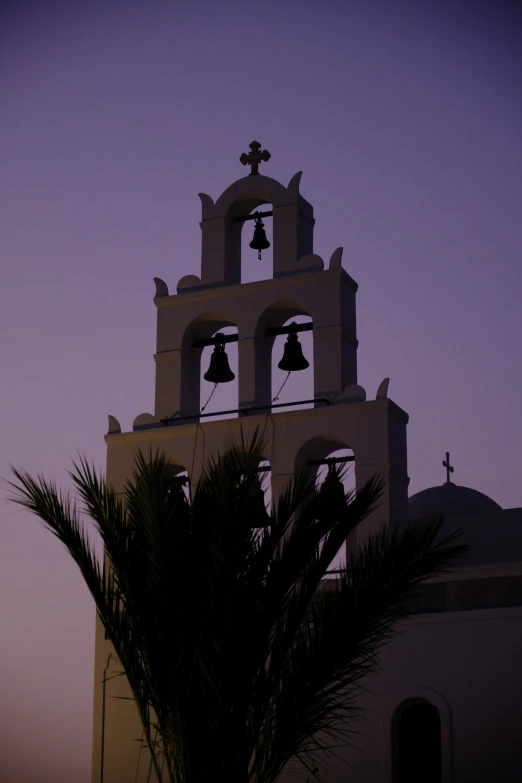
232	643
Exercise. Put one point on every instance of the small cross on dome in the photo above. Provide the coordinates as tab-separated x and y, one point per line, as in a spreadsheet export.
254	157
449	469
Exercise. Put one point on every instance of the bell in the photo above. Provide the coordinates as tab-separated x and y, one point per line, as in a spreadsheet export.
259	242
219	370
293	358
333	485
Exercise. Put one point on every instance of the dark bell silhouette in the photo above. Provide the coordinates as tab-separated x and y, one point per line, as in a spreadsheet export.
293	359
333	485
260	516
219	370
259	242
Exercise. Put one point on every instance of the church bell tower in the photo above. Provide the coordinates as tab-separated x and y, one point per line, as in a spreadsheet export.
189	320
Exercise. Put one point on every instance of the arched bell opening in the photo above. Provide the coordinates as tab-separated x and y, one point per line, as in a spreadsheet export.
339	460
249	240
257	246
263	503
284	357
265	479
326	457
179	479
260	511
416	743
219	376
293	366
198	346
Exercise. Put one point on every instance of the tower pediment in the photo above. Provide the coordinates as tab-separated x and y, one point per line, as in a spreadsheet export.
259	189
223	220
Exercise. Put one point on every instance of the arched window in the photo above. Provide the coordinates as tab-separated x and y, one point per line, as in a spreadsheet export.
253	268
298	385
348	482
224	395
416	743
180	477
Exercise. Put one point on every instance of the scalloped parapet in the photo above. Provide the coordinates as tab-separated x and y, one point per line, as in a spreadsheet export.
336	259
382	391
189	283
207	206
114	426
145	421
352	393
162	288
311	263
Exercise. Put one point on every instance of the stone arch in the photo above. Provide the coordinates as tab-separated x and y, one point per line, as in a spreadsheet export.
221	235
204	326
253	269
265	476
260	189
396	708
234	231
319	448
274	315
180	472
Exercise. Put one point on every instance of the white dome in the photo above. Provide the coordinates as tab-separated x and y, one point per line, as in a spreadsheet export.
449	498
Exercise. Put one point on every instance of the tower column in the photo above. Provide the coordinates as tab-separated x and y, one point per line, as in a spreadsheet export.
247	371
168	383
335	360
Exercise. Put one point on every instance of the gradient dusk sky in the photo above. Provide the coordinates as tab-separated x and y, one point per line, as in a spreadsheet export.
406	120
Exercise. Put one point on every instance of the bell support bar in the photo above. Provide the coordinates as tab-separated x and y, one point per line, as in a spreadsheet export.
254	216
272	331
291	329
330	461
243	411
218	339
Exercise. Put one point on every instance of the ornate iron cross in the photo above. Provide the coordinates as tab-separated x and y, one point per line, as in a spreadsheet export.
449	469
254	157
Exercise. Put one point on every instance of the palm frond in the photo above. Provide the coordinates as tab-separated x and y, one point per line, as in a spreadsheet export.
233	645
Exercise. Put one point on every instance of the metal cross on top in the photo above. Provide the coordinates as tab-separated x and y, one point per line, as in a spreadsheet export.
449	469
254	157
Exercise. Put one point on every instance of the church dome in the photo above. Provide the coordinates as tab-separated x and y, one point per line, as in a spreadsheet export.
449	498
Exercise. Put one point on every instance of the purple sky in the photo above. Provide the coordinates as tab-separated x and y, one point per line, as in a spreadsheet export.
406	120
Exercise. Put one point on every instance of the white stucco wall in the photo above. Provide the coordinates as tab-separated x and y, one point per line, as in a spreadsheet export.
468	665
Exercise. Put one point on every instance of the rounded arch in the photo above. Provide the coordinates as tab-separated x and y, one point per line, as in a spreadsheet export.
264	475
203	326
273	316
260	189
253	269
318	448
180	475
175	467
328	447
396	707
238	200
234	259
221	234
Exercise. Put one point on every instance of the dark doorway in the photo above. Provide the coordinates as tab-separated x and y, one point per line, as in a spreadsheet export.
417	744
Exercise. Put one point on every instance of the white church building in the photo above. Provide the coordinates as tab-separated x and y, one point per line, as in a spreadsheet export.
446	706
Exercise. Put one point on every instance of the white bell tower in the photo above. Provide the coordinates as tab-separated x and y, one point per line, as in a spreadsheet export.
341	416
